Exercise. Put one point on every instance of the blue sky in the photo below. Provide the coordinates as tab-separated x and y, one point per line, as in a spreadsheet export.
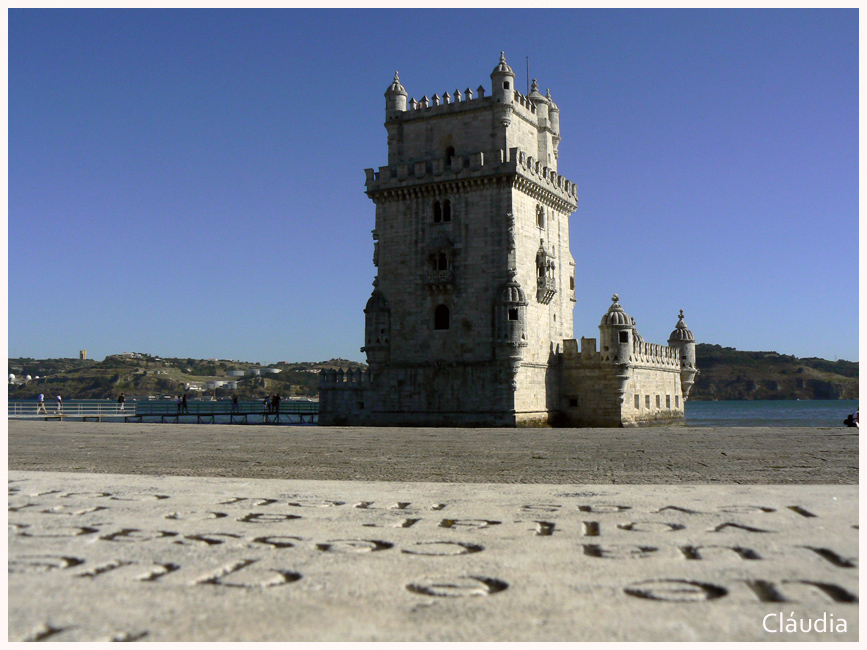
191	183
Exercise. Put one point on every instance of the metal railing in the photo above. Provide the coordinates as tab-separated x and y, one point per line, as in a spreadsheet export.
225	407
72	409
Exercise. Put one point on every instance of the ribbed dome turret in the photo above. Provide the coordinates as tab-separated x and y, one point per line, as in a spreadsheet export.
396	88
616	316
376	302
512	294
635	335
681	332
554	107
535	95
503	67
395	99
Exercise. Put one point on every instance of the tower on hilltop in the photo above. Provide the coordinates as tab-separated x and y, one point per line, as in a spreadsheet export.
475	287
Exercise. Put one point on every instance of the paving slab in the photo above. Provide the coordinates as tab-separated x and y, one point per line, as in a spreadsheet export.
101	557
658	455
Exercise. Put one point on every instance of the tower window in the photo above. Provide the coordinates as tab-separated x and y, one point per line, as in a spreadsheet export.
437	212
450	153
441	318
513	313
624	336
447	210
637	402
506	85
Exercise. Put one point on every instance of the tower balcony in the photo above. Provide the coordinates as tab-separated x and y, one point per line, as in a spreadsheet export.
545	289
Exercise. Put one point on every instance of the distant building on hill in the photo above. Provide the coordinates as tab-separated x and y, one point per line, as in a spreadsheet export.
470	319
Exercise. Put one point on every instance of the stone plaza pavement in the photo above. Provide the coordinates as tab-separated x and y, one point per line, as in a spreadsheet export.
150	557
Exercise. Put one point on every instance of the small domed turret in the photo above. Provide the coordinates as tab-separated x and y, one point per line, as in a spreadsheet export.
502	82
539	100
395	98
682	339
377	330
616	331
512	294
510	318
635	335
681	332
553	114
615	315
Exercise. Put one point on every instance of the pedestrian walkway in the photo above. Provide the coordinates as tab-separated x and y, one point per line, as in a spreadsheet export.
102	557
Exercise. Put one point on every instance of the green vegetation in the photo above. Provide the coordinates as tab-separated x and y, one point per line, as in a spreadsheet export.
146	375
729	374
726	374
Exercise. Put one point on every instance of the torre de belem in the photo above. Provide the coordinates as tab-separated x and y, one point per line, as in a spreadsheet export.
470	319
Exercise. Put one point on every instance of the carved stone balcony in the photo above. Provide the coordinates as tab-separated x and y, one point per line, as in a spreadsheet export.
545	289
440	281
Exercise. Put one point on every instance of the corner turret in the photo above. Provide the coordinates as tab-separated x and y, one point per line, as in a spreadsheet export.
377	330
615	333
503	82
395	98
682	339
541	103
553	114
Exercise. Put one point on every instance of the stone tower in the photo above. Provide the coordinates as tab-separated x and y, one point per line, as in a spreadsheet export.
474	287
470	319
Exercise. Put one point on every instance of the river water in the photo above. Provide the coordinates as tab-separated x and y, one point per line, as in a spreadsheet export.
770	413
745	413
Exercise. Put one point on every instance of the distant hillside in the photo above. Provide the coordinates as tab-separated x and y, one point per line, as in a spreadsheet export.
729	374
146	375
725	374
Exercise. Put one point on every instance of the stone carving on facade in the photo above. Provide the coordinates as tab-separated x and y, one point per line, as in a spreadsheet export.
546	281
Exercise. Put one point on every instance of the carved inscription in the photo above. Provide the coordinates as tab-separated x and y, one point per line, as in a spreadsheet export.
245	547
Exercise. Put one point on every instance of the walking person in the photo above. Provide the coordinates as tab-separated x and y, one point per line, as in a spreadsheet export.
40	404
59	401
184	403
234	402
120	402
275	404
179	404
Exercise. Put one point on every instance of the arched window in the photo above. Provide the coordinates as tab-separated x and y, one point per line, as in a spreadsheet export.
450	153
447	210
442	262
540	216
437	212
441	318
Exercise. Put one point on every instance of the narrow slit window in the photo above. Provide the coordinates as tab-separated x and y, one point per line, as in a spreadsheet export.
513	313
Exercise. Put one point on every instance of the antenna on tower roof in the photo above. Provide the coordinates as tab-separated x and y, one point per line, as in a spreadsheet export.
528	76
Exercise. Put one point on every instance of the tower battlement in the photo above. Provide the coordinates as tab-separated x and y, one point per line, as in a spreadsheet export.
535	176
